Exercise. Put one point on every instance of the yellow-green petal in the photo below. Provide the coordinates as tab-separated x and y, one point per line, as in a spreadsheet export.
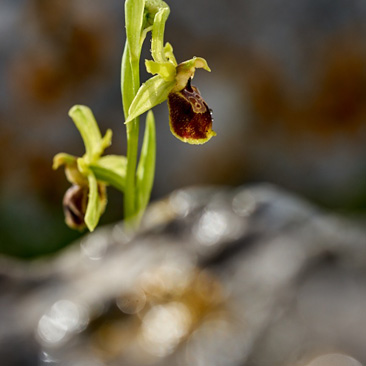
164	69
186	71
62	159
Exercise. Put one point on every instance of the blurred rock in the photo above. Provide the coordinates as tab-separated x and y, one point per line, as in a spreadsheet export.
216	276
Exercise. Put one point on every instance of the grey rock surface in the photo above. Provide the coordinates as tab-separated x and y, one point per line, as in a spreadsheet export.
216	276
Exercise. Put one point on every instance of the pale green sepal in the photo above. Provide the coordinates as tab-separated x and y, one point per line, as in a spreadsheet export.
62	159
111	169
134	14
150	94
93	211
86	124
157	37
146	168
186	70
165	69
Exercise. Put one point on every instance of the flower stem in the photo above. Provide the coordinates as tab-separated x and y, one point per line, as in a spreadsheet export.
130	85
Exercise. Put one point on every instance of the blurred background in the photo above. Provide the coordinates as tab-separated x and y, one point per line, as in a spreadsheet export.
287	89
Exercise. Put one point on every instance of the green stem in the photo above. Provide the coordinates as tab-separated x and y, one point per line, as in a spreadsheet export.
132	138
132	150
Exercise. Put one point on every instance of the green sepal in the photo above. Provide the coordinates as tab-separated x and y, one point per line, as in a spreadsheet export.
146	167
86	124
153	92
111	169
134	14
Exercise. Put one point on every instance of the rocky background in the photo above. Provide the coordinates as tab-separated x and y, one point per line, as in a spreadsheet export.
287	87
250	276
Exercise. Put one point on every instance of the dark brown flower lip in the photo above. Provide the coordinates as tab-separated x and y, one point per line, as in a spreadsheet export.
190	118
74	205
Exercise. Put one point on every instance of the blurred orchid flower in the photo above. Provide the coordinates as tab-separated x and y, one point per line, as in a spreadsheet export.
85	201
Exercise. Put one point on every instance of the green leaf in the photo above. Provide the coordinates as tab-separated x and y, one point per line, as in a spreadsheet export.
134	13
153	92
146	168
111	169
86	124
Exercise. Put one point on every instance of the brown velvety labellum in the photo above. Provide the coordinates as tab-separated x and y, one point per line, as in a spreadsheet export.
74	204
189	116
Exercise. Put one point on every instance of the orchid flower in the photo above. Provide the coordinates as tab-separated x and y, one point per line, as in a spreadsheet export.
190	118
84	202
